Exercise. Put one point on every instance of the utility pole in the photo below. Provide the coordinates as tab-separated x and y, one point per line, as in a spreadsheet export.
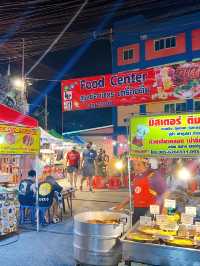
46	112
62	123
24	103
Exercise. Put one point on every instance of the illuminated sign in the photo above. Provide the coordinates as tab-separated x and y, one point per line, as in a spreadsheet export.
165	135
175	82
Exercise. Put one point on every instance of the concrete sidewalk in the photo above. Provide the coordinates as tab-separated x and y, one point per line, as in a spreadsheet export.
53	246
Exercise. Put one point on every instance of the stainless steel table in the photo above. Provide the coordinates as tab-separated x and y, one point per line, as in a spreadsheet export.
156	254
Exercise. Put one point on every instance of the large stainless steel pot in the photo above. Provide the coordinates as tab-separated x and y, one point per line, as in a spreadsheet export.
98	243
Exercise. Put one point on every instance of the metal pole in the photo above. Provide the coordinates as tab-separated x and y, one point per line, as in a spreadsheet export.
37	197
23	80
23	59
46	112
62	122
131	198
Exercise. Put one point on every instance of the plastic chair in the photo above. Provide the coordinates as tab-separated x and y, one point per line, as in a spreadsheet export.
126	181
98	182
114	182
22	216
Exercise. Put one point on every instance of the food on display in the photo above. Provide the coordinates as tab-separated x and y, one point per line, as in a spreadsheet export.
9	168
174	218
182	242
137	236
103	222
155	231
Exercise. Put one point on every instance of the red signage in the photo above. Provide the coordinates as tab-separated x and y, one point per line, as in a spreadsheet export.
134	87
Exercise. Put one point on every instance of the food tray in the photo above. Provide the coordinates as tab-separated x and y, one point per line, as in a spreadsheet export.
158	254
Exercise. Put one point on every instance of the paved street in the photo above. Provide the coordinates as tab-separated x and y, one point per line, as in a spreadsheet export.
53	245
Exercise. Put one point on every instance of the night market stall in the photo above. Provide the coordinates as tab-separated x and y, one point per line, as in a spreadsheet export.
19	146
52	153
169	233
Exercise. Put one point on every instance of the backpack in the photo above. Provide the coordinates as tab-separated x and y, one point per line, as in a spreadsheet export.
25	187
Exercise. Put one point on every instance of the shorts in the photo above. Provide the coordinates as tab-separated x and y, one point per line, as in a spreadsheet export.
72	169
137	213
88	171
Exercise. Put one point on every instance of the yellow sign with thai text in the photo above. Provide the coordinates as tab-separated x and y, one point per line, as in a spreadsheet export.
165	135
19	140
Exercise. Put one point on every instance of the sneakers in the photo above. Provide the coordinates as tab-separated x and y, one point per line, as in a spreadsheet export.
56	220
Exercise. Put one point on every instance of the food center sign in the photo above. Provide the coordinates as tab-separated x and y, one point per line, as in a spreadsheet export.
19	140
134	87
170	136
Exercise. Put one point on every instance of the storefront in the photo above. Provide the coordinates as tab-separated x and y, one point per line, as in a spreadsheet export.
19	146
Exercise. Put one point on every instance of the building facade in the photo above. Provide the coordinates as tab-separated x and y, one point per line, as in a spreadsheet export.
141	44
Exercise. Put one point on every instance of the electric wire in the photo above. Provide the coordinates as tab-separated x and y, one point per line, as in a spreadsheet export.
43	20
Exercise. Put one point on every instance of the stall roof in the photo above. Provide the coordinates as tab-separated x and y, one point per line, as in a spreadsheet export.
46	136
11	116
97	131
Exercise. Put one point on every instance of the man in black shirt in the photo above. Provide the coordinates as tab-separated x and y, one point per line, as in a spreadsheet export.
49	192
27	190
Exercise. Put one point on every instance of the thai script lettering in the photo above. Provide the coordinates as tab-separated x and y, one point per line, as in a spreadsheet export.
165	121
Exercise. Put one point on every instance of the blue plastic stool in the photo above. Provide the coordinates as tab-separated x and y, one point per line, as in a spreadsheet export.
22	217
42	212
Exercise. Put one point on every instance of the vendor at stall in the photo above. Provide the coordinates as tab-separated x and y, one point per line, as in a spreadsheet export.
148	186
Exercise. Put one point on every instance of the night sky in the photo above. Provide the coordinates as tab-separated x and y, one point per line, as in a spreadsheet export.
95	61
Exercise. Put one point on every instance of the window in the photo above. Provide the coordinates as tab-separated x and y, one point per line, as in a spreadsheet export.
197	105
169	108
128	54
175	108
143	109
169	42
181	107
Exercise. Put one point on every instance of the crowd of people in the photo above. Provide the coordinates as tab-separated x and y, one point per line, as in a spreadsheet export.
86	165
150	179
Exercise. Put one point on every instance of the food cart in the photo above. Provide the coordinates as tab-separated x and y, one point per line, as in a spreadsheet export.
170	233
19	145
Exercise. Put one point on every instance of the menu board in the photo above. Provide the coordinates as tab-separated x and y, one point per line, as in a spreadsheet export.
8	213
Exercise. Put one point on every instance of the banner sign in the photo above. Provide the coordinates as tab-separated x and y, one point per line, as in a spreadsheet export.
134	87
19	140
165	135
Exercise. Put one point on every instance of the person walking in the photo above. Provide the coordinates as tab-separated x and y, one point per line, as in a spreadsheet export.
73	165
88	165
102	161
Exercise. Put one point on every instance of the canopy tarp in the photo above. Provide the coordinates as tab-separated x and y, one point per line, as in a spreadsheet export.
46	137
13	117
55	134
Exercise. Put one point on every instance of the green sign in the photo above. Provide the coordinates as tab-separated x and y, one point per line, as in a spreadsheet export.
165	135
